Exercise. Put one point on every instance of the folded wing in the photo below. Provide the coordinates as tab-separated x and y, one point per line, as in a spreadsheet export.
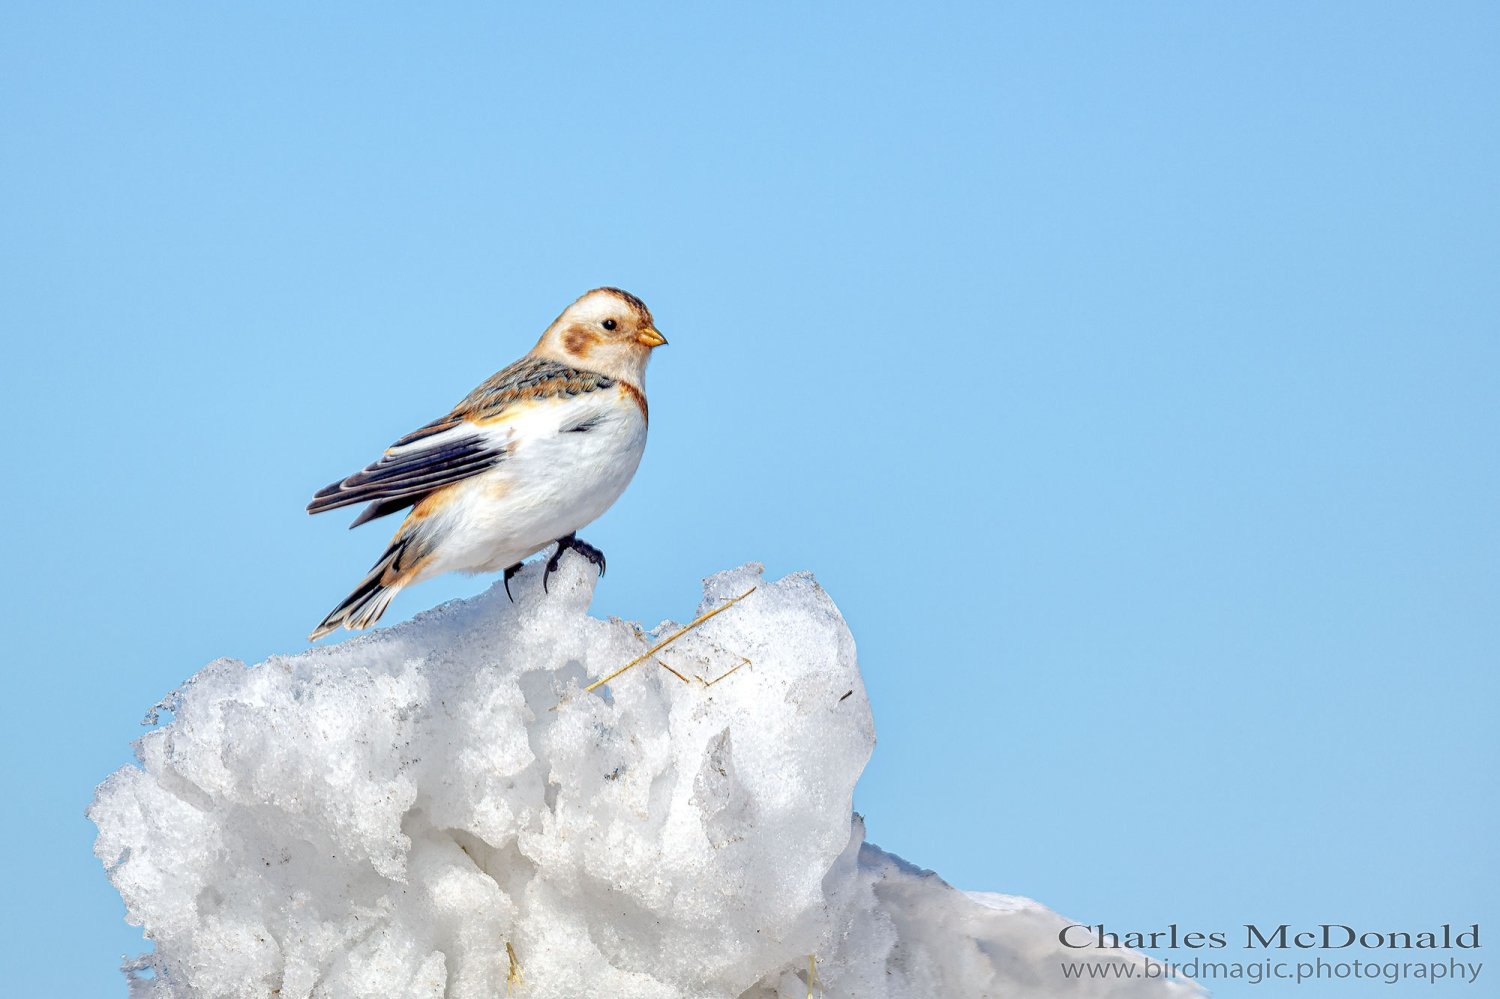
454	447
409	471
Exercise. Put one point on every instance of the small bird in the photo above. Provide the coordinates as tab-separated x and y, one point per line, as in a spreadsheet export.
528	458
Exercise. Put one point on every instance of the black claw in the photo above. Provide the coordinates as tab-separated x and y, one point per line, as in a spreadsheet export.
588	551
509	573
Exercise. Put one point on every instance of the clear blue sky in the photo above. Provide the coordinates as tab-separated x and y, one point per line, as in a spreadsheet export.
1127	373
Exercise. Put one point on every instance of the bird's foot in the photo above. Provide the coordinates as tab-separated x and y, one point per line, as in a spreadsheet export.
588	551
509	573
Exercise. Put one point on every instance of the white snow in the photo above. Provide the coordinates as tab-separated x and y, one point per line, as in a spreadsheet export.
439	810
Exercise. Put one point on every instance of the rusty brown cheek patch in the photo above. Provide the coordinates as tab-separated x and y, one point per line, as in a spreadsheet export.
579	340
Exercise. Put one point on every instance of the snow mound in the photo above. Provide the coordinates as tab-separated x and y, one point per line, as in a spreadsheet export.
439	809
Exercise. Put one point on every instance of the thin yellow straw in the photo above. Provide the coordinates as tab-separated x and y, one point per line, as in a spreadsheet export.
665	642
515	980
710	683
668	641
673	672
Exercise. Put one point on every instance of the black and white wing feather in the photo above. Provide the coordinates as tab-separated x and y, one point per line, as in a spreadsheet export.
409	471
465	442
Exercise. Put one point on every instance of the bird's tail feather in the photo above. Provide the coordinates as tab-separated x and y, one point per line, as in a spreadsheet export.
371	597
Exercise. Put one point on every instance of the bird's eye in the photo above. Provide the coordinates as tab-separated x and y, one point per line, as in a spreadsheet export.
608	324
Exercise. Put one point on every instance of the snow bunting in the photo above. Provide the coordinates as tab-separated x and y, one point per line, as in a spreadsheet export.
525	460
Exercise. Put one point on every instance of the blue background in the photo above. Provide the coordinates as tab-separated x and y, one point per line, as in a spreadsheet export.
1127	374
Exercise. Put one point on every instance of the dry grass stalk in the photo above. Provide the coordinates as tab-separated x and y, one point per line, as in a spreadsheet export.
665	642
709	683
812	976
673	672
515	981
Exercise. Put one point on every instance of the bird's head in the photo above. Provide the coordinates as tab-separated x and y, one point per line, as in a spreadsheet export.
608	331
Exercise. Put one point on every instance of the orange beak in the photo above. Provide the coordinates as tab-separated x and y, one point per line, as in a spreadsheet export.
650	337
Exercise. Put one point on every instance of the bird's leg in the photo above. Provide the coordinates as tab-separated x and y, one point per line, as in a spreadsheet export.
562	546
588	551
509	573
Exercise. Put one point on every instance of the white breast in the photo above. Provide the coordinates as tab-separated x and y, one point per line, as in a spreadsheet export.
566	463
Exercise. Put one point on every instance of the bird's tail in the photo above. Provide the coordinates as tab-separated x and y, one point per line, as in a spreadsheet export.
372	596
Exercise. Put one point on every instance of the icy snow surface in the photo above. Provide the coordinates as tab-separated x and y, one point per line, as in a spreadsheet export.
406	815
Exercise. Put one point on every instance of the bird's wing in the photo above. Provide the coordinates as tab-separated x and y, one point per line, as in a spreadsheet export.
456	446
407	472
531	379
